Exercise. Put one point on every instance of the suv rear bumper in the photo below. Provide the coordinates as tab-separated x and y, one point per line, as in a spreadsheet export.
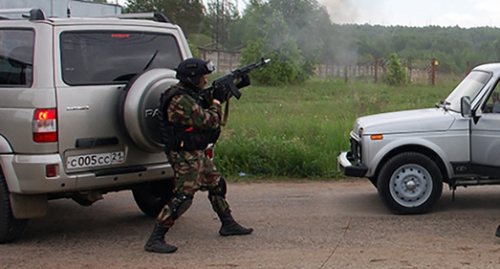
22	173
345	165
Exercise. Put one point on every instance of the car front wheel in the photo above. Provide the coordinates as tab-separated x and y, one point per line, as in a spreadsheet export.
410	183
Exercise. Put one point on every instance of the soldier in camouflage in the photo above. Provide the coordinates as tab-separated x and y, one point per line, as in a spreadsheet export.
189	124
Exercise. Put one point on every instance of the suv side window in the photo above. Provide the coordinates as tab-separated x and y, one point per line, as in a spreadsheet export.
107	57
16	57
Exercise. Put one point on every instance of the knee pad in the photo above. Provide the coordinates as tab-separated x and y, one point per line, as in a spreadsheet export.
220	189
179	208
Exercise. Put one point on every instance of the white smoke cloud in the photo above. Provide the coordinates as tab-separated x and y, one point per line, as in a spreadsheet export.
354	11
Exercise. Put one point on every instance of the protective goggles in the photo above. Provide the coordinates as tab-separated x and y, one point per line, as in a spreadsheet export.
210	66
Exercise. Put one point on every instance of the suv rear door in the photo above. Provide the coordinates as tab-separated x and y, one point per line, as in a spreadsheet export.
95	63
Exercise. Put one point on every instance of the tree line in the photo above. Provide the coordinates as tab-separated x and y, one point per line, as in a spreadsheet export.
298	35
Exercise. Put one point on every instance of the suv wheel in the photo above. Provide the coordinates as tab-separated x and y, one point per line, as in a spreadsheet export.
410	183
10	227
151	197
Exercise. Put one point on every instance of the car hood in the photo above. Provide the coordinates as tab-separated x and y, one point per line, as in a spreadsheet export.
422	120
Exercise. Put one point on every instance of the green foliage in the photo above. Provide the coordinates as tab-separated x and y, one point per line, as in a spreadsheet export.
396	74
283	68
453	47
223	19
286	32
298	130
199	40
196	41
194	50
187	14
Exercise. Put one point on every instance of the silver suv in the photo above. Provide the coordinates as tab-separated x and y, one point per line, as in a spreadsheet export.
78	99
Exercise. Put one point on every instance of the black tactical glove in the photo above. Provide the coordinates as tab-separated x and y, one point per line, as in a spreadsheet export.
221	93
245	81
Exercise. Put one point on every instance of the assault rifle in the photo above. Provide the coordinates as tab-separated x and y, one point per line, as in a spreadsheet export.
228	80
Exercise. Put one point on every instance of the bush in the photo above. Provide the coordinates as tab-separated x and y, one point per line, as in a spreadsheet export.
285	66
396	75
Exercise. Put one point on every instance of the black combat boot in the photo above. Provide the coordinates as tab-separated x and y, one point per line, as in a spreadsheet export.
156	242
230	226
497	233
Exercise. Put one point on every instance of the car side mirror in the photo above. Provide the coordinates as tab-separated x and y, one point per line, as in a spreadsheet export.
465	107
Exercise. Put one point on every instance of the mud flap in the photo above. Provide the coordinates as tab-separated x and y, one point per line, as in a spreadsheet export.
28	206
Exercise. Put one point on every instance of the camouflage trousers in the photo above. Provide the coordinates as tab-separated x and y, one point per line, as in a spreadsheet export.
193	171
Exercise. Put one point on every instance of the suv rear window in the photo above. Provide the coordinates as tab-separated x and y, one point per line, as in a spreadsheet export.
16	57
104	57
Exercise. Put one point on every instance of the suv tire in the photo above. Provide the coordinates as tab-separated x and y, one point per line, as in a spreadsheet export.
10	227
151	197
410	183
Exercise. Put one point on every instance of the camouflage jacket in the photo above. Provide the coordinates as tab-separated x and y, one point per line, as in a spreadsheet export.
183	109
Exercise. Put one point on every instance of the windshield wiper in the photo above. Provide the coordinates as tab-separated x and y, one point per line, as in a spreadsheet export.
442	104
151	60
127	77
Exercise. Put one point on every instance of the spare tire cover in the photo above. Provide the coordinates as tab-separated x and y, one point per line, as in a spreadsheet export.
140	107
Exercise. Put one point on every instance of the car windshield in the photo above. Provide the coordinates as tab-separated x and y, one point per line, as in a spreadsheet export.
103	57
470	86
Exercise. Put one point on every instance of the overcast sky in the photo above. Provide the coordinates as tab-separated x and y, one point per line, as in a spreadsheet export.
464	13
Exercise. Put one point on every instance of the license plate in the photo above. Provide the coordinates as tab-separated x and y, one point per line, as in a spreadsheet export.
94	160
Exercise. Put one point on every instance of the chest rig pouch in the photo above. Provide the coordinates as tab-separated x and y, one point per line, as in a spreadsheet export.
178	137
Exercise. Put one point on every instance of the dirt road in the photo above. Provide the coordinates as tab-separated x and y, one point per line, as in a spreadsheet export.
331	224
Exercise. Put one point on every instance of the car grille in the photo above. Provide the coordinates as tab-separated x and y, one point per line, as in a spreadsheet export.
355	150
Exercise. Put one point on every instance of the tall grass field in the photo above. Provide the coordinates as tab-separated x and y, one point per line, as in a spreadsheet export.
298	131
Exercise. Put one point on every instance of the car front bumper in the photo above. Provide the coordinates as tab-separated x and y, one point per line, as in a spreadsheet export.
349	169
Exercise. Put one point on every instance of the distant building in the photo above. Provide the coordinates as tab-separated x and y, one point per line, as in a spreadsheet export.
61	8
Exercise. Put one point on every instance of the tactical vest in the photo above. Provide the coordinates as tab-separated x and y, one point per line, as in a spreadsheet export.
178	137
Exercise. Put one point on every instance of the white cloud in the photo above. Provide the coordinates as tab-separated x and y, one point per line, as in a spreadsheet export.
347	11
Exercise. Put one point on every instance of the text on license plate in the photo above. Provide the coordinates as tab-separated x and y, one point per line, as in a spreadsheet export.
93	160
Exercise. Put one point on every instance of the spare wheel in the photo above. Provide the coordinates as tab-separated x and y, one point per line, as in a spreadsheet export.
140	107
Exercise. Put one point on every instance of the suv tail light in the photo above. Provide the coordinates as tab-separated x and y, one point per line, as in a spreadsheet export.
45	125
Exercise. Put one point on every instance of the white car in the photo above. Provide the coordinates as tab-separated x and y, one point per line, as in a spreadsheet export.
408	155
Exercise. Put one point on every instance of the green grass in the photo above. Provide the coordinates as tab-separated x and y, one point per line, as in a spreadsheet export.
298	131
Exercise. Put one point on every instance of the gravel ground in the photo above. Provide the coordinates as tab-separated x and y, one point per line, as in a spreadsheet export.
307	224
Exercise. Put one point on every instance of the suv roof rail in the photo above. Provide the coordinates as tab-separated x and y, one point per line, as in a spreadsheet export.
157	16
34	14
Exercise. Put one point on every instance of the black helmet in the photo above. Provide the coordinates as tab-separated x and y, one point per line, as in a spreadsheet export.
190	71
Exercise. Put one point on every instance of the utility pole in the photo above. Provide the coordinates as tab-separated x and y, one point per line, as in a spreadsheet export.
433	72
